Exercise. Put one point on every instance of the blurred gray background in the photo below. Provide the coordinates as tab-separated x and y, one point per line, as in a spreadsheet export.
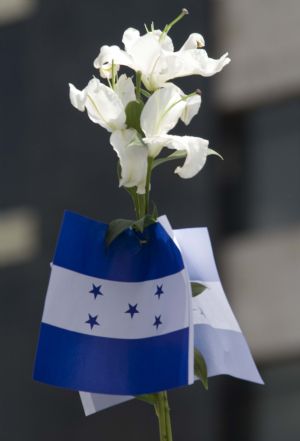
53	158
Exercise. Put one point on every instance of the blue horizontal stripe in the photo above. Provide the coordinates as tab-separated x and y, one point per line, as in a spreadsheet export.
111	366
226	352
81	248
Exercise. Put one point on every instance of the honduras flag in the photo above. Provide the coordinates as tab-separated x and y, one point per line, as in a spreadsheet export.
217	334
118	319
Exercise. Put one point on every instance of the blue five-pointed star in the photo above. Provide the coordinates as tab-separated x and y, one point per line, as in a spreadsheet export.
92	321
157	321
159	291
132	309
96	291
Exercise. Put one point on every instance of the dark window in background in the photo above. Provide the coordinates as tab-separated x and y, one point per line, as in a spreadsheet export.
261	177
260	192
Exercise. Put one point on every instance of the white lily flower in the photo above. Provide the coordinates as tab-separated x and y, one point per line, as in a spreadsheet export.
163	110
191	103
104	106
153	54
196	149
133	155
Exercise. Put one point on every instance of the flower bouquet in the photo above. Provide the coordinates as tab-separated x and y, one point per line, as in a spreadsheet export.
133	308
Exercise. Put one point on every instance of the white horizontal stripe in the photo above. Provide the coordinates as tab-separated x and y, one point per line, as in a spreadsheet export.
69	303
212	308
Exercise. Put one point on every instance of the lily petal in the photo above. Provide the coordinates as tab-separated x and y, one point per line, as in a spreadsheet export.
162	111
184	63
164	40
197	62
194	41
124	88
145	52
130	37
103	105
196	149
110	54
206	66
133	157
192	106
77	97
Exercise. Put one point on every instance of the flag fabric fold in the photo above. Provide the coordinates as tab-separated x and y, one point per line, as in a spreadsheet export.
117	320
217	334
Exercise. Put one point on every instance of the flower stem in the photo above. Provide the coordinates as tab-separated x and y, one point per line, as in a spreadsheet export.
113	74
148	184
169	26
161	404
142	201
138	85
162	410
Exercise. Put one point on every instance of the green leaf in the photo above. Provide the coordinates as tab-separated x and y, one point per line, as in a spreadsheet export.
140	224
144	222
133	112
180	154
200	368
116	227
213	152
197	288
154	211
147	398
145	93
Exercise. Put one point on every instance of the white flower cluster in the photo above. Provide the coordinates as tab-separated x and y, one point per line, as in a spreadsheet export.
155	62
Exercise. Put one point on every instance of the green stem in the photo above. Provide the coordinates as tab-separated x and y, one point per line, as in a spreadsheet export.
162	410
141	205
113	74
145	93
161	405
141	201
135	203
170	25
148	183
138	85
168	417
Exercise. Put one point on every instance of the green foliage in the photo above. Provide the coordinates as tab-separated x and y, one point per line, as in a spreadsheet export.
133	113
154	211
118	226
200	368
179	154
147	398
144	222
197	288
